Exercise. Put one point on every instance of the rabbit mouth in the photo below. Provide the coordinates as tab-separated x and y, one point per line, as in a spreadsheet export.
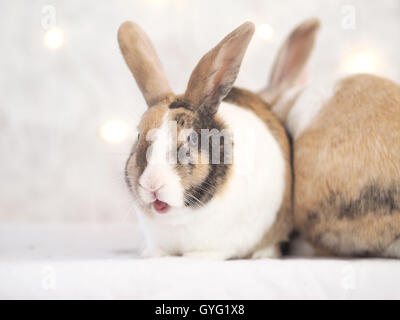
161	207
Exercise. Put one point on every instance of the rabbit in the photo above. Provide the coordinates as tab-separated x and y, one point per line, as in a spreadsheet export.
346	162
237	208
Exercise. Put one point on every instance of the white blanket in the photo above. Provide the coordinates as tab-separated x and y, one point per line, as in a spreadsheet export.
99	262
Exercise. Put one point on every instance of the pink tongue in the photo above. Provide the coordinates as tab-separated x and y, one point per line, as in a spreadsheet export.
161	207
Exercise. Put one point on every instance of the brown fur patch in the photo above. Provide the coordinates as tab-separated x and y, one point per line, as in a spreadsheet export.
151	119
192	175
347	169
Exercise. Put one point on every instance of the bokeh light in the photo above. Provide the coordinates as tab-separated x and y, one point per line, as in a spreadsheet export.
265	31
114	131
53	38
362	61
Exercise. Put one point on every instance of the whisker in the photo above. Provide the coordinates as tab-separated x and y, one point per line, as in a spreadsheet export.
210	191
193	197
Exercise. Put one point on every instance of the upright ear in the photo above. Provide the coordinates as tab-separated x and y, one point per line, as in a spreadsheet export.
214	75
290	67
142	60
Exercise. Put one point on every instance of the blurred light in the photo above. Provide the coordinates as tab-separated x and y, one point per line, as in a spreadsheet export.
265	31
114	131
362	61
53	38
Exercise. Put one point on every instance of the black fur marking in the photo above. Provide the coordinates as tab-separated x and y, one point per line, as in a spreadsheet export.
179	103
200	195
126	173
184	120
211	102
141	155
206	190
372	199
364	254
126	170
312	217
287	246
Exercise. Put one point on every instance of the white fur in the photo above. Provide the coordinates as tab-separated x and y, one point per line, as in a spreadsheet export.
284	103
307	107
159	174
233	222
265	253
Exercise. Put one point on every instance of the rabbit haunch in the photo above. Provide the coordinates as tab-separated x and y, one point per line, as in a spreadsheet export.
347	168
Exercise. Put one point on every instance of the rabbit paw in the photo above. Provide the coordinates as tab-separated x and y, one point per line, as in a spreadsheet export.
266	253
207	255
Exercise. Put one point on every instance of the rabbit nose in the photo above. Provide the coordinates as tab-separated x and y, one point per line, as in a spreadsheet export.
154	192
153	188
153	178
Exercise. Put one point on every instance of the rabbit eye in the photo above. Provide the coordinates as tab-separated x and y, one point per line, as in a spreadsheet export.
193	139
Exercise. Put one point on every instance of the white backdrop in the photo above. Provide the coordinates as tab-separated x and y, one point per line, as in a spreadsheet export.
56	165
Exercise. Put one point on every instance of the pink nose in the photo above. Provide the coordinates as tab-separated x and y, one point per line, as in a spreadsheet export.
154	187
151	187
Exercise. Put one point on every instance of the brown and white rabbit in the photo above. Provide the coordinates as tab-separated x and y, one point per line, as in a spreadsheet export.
346	158
236	208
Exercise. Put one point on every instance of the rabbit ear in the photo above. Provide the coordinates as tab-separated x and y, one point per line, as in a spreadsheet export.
289	71
214	75
142	60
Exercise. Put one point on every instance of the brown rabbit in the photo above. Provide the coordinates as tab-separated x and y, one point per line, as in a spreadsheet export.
346	163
